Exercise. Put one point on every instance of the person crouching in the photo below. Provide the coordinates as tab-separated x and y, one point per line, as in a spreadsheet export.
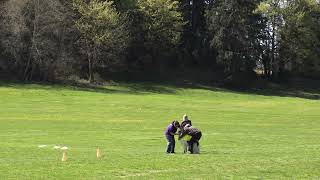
169	133
193	143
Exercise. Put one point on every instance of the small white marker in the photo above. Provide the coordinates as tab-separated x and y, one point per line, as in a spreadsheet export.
64	148
56	147
42	146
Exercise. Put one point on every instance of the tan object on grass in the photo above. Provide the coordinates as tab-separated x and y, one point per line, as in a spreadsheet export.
64	156
99	155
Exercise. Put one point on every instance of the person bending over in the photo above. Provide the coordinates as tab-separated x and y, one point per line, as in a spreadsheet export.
195	137
169	134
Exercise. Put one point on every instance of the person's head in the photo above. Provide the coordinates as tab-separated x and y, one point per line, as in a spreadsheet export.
176	124
187	126
185	117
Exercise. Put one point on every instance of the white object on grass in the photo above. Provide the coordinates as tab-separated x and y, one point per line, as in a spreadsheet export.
56	147
64	148
42	146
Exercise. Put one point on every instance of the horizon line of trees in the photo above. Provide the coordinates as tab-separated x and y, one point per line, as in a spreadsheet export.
51	40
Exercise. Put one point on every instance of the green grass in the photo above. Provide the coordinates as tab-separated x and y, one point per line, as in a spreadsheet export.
245	136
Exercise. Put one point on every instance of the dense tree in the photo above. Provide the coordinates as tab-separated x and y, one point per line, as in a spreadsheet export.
55	39
34	29
156	28
125	5
231	24
300	42
103	31
272	10
195	41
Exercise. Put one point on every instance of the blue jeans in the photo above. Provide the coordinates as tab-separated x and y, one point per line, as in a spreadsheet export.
171	144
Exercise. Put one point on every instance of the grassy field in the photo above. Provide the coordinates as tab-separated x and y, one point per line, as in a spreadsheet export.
245	135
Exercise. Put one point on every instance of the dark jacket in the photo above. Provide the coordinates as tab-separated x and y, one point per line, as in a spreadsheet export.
189	131
185	122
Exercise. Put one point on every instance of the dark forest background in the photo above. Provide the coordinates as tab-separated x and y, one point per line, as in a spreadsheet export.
208	40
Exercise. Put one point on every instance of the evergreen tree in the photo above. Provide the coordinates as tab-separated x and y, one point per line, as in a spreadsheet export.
234	36
195	45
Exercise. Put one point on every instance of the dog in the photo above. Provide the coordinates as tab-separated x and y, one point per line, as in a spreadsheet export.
195	147
184	142
184	145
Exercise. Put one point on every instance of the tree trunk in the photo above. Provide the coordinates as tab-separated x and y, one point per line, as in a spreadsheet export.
90	69
25	74
274	63
89	54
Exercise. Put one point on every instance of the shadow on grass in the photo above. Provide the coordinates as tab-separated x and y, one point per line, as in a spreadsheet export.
279	90
290	92
125	88
310	89
301	90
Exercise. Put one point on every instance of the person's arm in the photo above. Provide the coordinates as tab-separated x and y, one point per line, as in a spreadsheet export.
182	134
172	131
179	132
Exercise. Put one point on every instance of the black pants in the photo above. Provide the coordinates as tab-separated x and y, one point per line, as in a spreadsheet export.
194	139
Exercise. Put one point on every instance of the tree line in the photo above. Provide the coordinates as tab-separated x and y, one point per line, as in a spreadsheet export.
51	40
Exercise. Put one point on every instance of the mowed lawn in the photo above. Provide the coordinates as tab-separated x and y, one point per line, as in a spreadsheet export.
245	136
